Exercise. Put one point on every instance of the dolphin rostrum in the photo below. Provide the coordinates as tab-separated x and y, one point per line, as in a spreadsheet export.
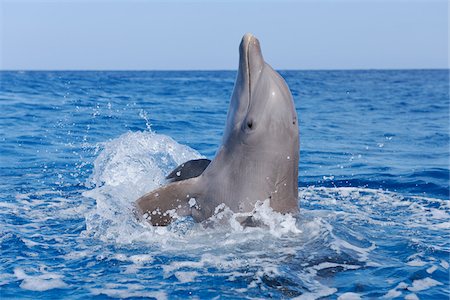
258	158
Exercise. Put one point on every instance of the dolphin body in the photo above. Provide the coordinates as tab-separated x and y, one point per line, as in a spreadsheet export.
258	158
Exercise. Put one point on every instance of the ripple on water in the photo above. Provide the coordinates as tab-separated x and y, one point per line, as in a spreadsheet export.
347	242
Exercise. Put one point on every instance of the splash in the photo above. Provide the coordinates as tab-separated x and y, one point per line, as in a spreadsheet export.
126	168
135	163
338	230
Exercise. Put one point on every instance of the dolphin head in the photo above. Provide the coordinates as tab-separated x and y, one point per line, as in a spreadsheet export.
259	155
261	103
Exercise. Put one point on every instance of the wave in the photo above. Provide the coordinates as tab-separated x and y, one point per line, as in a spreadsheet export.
397	241
135	163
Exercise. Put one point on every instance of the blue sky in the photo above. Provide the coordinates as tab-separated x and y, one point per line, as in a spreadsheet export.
177	35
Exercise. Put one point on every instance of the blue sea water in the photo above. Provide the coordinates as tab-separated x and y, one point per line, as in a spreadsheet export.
77	148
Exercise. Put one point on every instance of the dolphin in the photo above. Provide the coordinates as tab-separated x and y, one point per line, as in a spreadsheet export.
257	160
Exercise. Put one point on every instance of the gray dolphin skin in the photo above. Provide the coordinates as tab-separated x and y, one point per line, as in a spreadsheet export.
258	158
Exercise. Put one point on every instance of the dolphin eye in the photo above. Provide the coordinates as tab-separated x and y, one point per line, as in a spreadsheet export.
248	125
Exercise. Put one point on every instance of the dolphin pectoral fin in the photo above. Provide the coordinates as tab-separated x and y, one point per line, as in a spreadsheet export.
189	169
162	205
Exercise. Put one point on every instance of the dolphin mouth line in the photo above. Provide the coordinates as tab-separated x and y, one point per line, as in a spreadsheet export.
248	72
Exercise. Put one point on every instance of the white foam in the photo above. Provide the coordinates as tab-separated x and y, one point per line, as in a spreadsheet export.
411	297
278	223
43	282
320	293
136	163
184	277
76	255
373	205
192	202
394	293
128	291
431	269
423	284
127	168
141	258
416	263
5	279
349	296
327	265
138	158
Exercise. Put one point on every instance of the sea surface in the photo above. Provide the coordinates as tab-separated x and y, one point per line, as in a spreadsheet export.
78	148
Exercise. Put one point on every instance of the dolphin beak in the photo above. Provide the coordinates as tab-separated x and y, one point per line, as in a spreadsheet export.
251	61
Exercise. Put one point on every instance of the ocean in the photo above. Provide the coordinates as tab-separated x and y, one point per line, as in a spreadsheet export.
78	148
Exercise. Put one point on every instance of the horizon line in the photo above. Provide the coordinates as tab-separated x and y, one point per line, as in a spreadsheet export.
217	70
